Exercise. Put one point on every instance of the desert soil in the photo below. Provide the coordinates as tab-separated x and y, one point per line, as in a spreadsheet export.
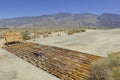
98	42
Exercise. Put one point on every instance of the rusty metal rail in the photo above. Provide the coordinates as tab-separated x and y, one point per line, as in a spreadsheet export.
63	63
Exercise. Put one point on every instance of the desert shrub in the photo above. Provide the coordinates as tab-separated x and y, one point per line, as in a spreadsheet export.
37	35
1	36
49	32
58	34
25	35
106	69
45	35
70	32
82	30
77	31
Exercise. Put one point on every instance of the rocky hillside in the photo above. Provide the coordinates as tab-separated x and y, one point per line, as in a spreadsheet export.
64	20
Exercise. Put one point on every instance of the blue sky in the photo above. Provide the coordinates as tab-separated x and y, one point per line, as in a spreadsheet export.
18	8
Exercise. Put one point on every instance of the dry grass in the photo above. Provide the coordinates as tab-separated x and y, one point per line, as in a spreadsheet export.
70	32
106	69
0	57
75	30
45	35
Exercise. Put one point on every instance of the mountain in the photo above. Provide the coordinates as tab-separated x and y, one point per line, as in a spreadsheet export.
109	20
64	20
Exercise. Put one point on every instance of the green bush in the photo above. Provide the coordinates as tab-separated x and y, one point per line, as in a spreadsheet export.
106	69
25	35
83	30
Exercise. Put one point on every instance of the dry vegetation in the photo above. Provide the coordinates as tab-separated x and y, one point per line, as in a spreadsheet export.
75	30
32	33
106	69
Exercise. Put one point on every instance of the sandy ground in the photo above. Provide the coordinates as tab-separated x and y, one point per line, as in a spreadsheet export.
14	68
98	42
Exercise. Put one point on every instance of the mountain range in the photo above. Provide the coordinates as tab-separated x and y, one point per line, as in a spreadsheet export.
64	20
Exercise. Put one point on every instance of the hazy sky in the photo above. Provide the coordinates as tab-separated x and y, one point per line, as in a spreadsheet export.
18	8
